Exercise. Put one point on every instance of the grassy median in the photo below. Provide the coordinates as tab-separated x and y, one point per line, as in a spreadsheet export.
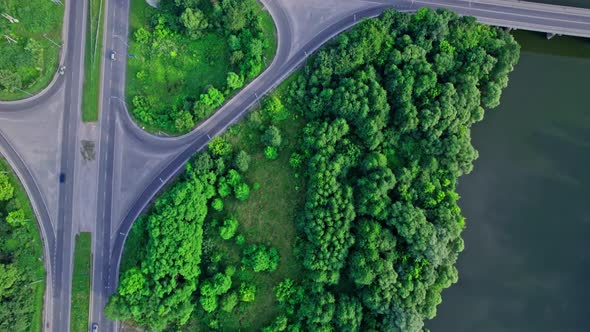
81	283
93	60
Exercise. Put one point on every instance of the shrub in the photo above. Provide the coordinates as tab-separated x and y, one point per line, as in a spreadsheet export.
234	81
271	153
272	137
242	161
217	204
223	188
242	191
296	160
240	240
229	228
229	302
247	292
209	303
260	258
220	147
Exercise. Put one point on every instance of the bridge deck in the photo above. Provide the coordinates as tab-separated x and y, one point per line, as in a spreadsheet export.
517	14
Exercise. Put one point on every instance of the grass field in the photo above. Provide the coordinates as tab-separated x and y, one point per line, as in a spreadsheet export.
93	60
81	283
26	249
267	217
41	21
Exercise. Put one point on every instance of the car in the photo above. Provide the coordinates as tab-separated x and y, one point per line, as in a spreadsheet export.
113	55
94	327
62	70
62	177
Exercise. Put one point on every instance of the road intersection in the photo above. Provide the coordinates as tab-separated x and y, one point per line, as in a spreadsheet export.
41	136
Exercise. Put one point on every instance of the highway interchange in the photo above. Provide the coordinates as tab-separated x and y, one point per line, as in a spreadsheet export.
40	136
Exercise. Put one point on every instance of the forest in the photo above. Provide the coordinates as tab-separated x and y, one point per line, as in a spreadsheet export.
30	57
188	56
22	275
382	116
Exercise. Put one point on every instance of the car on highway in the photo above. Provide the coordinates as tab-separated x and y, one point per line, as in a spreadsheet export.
62	177
62	70
113	55
94	327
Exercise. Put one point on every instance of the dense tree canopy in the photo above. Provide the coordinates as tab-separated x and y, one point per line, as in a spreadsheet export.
387	110
159	290
21	272
389	107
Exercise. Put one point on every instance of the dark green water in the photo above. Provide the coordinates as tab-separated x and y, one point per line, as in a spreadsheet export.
526	266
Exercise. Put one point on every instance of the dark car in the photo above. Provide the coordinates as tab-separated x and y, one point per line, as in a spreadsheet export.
94	327
62	177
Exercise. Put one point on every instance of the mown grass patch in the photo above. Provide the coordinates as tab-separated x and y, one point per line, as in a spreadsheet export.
93	60
81	283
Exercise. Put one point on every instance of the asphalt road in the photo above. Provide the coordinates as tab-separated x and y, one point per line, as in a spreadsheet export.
284	63
109	236
62	260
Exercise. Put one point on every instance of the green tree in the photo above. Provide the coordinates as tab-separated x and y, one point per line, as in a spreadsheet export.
194	22
220	147
242	191
184	121
229	228
6	188
260	258
16	218
217	204
209	303
213	98
271	153
247	292
229	302
242	161
234	81
272	137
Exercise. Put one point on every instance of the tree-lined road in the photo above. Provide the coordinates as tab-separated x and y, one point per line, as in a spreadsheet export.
133	166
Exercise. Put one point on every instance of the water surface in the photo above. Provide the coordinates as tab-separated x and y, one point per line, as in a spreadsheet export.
526	266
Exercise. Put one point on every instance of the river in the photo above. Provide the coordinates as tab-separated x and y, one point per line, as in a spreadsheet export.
525	266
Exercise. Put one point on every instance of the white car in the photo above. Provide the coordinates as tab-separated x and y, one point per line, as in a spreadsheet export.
113	55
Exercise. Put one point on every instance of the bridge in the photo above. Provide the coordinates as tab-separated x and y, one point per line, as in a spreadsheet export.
515	14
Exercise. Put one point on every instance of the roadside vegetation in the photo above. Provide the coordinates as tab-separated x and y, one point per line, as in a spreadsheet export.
333	207
81	283
29	56
188	56
92	60
22	273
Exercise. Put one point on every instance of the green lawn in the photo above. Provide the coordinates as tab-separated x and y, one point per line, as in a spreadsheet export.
170	73
81	282
268	25
27	66
267	217
93	60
